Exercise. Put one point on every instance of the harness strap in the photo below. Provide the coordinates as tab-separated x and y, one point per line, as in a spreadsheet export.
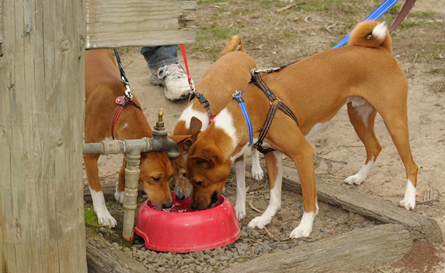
258	81
204	102
275	103
123	102
240	100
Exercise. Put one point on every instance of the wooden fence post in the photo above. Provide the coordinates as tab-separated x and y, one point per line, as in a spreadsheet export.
42	79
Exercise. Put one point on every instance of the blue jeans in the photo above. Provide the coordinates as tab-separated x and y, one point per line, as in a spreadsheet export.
158	56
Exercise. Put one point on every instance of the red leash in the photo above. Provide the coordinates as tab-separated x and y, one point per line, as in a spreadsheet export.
184	55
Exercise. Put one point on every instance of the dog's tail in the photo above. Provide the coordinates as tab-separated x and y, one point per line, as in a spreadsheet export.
235	44
371	34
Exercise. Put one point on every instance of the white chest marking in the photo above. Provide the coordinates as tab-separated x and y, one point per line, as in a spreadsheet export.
224	121
188	113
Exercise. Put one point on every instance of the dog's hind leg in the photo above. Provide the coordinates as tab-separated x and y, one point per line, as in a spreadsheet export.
396	122
257	172
362	116
103	215
275	175
240	170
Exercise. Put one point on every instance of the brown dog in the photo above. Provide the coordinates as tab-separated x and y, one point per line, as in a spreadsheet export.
229	73
103	85
364	75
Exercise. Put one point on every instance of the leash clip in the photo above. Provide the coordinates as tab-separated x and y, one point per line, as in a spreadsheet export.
264	70
128	94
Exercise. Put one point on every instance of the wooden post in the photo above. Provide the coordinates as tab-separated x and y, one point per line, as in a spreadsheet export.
42	81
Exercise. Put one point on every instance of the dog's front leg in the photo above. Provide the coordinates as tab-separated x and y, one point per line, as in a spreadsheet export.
240	170
120	184
103	215
275	174
304	161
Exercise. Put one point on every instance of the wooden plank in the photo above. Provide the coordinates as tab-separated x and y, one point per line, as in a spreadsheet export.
117	23
1	28
421	227
355	250
102	258
42	81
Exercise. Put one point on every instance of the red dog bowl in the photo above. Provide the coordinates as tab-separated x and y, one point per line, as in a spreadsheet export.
180	229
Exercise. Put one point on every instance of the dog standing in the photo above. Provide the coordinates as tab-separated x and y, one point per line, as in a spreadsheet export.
229	73
364	75
103	85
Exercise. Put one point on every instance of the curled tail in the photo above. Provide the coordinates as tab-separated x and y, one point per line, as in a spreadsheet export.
371	34
235	44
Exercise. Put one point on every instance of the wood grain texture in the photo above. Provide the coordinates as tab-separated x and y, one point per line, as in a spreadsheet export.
41	129
103	258
114	23
355	250
421	227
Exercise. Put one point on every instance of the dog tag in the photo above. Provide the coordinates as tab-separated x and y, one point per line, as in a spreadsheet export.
120	100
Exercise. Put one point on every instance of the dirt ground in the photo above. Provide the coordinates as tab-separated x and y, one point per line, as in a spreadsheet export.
273	37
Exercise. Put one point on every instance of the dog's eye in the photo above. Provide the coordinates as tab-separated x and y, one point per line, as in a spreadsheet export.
183	174
197	183
156	179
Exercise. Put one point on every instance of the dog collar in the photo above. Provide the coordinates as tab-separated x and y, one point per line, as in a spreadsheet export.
237	96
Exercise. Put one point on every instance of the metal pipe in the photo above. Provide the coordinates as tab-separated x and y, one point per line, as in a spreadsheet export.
133	149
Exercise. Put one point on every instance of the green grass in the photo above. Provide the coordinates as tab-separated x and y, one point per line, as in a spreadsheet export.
201	2
212	33
91	218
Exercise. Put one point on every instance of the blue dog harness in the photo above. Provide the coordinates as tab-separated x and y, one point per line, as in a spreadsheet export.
242	105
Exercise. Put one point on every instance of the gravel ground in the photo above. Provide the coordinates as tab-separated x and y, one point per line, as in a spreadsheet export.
252	243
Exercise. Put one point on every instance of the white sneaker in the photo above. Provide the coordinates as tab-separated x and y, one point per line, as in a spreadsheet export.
174	79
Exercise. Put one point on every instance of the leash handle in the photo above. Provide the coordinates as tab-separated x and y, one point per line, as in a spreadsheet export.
184	55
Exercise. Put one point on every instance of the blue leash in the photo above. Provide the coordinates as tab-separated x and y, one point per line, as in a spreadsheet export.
240	100
376	14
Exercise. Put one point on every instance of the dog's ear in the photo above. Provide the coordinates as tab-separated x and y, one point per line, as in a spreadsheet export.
195	128
203	161
207	157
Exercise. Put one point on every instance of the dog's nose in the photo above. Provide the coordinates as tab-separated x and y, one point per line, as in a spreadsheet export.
180	197
167	205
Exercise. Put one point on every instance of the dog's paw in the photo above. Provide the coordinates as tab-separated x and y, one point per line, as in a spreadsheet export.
301	231
240	210
120	196
106	219
356	179
408	204
259	222
257	173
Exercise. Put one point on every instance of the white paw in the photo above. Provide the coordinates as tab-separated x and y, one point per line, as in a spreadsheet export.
408	204
105	219
120	196
301	231
259	222
409	201
240	210
304	229
257	173
356	179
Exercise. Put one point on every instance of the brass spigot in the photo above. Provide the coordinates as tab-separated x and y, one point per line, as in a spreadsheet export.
159	129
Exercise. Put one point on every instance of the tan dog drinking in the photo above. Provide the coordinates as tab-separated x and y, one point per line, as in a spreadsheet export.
103	85
364	75
230	72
